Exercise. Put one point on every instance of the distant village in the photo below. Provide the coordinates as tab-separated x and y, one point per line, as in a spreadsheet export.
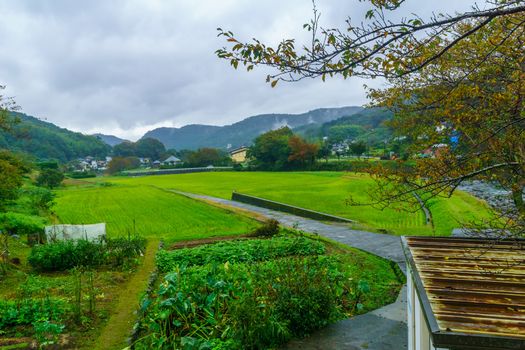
92	164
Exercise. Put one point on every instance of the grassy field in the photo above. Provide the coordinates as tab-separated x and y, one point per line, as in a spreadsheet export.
323	191
148	211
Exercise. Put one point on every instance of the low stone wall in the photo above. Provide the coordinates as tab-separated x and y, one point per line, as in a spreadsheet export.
177	171
268	204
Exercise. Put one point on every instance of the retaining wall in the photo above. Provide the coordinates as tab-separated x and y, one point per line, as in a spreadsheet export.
269	204
177	171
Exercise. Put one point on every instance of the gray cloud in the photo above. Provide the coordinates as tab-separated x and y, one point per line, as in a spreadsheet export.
124	67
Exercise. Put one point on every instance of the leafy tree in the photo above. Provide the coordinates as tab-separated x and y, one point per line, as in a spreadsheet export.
149	148
11	181
302	152
144	148
324	151
50	178
184	154
377	46
118	164
40	198
124	149
478	111
357	148
271	149
207	156
280	149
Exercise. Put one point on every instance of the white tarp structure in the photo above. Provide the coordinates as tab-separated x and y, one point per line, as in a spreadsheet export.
94	232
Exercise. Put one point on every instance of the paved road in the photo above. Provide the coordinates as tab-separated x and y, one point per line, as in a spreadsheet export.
381	329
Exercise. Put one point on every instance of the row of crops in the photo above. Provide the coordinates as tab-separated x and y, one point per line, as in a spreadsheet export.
257	293
62	289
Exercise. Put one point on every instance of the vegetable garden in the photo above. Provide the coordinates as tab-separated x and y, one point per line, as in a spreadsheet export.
258	293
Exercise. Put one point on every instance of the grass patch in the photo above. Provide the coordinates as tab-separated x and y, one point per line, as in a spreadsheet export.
148	212
323	191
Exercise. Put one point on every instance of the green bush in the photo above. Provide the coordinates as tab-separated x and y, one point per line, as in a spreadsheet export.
81	174
50	178
269	229
244	306
39	197
28	311
65	255
251	250
20	224
120	250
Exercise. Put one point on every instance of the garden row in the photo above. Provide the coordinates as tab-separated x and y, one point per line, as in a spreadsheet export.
73	298
258	293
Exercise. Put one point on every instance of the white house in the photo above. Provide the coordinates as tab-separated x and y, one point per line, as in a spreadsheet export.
171	160
465	293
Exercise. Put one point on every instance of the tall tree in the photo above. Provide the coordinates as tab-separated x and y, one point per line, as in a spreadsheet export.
478	111
377	46
124	149
455	80
302	152
207	156
271	149
149	148
11	167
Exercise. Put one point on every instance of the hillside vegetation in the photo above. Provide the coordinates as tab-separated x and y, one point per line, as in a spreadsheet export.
45	140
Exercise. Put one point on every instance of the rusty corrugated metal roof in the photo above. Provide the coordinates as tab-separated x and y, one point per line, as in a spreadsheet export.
473	286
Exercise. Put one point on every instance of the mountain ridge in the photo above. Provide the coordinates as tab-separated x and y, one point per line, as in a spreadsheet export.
241	133
110	140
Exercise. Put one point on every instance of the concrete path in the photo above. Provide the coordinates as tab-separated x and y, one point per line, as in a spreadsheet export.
381	329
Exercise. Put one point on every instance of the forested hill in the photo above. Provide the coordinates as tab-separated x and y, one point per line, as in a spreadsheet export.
110	139
369	122
45	140
243	132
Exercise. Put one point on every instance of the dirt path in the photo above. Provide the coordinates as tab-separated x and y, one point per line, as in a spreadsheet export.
119	325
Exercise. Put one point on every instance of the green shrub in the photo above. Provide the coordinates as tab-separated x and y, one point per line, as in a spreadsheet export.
81	174
120	250
28	311
50	178
20	224
65	255
39	197
244	306
269	229
239	251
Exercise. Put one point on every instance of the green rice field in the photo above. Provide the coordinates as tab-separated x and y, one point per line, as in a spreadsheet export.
147	211
323	191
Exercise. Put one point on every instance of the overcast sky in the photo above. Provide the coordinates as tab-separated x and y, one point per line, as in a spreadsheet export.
125	67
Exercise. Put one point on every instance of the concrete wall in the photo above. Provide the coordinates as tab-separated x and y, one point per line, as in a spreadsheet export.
418	330
177	171
266	203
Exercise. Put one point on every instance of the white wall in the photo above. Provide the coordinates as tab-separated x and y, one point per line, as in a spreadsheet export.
418	330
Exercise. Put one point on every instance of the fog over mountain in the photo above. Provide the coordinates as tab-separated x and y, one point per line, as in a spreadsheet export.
242	133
